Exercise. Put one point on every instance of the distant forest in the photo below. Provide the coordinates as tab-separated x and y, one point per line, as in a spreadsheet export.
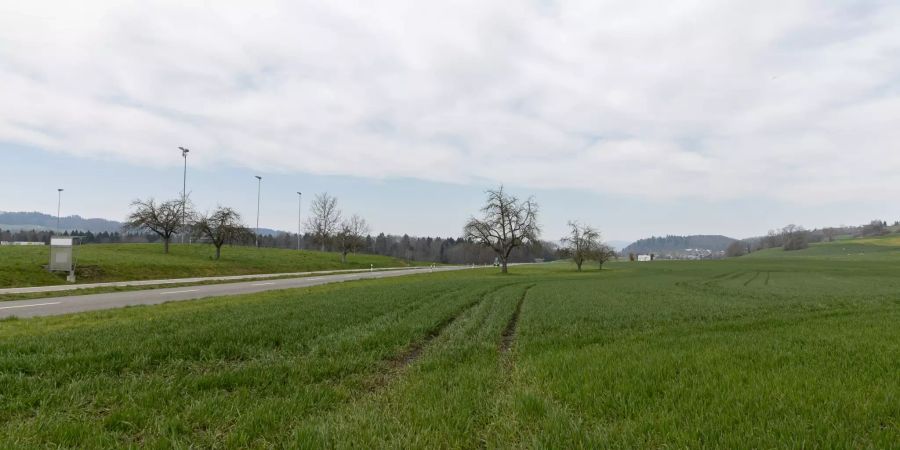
675	244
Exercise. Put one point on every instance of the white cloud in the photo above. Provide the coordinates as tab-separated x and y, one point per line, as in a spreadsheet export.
794	101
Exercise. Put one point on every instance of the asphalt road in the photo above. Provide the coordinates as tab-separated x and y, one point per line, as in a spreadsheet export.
51	306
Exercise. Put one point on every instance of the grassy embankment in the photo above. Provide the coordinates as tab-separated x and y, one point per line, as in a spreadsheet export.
773	350
97	263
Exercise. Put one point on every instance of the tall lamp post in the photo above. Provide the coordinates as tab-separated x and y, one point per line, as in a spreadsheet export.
258	196
299	210
184	153
58	204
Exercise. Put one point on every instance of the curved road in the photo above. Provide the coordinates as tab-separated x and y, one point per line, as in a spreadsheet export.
77	303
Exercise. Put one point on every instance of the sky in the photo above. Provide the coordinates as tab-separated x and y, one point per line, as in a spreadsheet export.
639	117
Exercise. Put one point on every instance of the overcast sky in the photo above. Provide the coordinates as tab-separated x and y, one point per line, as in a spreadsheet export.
652	117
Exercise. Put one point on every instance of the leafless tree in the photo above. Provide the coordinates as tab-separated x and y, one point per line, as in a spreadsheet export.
794	237
735	249
164	219
506	223
324	219
222	226
352	236
603	254
581	243
830	233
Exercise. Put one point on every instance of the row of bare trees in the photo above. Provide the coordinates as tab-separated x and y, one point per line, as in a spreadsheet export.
224	225
584	244
507	223
166	219
328	227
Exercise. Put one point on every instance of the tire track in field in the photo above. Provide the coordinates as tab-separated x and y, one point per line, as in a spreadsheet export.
751	279
407	357
508	337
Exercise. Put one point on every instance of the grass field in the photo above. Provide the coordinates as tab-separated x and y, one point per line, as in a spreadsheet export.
24	265
774	350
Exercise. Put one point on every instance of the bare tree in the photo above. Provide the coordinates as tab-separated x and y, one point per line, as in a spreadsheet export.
507	223
352	236
736	248
164	219
830	233
581	244
222	226
603	254
794	237
324	219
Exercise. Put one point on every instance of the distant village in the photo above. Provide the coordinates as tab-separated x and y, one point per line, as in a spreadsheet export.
685	254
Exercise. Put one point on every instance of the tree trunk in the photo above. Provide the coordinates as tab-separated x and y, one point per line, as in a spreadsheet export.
578	264
503	267
218	252
343	257
323	247
166	245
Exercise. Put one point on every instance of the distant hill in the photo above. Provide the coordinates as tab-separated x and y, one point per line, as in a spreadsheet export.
679	244
40	221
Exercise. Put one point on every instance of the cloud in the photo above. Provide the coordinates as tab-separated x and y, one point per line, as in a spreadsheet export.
795	101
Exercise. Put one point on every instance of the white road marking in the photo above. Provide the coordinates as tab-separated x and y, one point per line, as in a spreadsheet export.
29	306
262	284
178	292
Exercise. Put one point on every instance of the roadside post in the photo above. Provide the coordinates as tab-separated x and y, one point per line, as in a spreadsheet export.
371	267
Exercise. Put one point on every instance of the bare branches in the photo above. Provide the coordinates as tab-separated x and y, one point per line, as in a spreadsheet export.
221	227
506	223
324	219
583	243
164	219
352	235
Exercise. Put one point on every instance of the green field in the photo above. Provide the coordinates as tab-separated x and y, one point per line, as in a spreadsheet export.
24	265
773	350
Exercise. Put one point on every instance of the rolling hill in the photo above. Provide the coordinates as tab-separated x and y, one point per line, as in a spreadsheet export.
679	244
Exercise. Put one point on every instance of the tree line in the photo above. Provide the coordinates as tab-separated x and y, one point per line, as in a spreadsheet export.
87	237
327	228
795	237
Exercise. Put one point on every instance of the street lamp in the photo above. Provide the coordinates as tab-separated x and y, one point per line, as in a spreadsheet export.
184	153
299	210
58	204
258	196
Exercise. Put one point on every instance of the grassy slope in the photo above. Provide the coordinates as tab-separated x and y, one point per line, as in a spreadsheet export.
23	266
775	350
